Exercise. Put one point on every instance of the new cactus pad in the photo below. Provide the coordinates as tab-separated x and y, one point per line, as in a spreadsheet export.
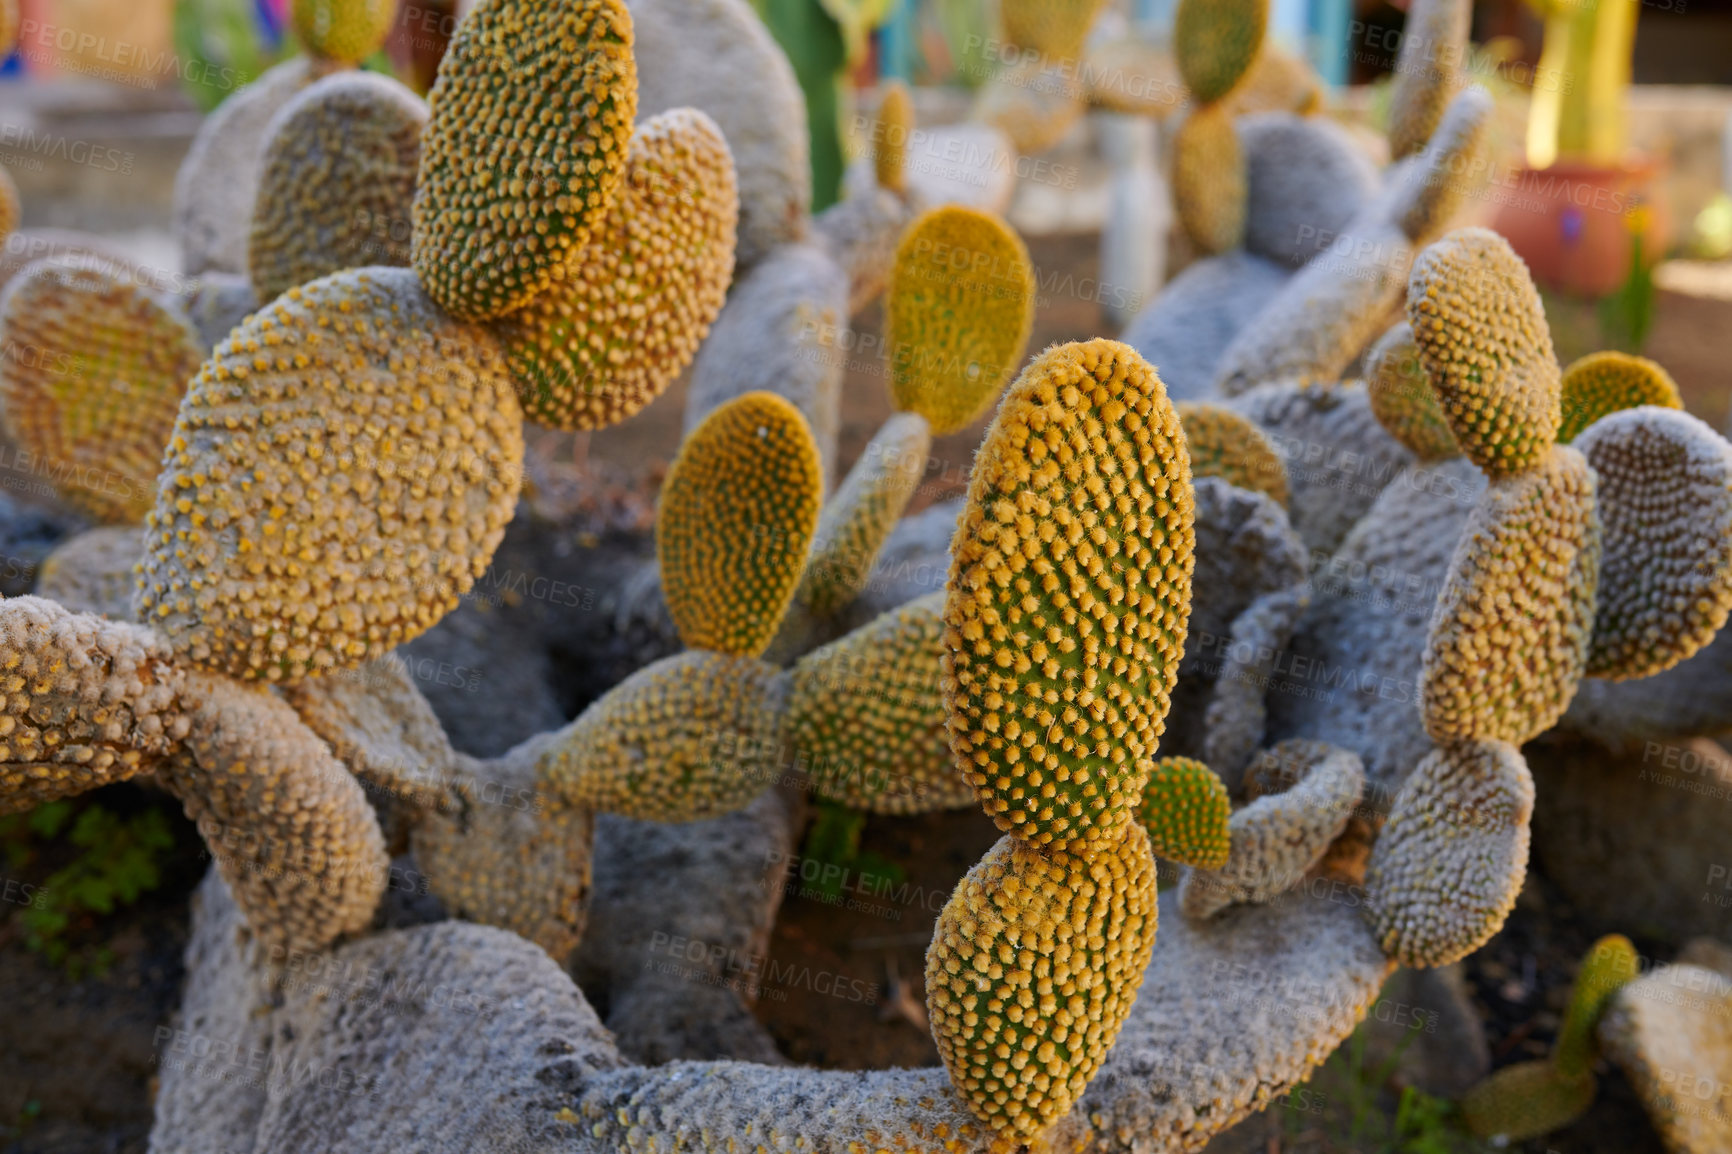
1069	592
1034	965
626	315
890	147
1217	41
1209	179
1224	444
525	149
1184	811
340	471
738	512
1611	964
1403	399
1525	1101
92	388
1600	384
960	309
866	717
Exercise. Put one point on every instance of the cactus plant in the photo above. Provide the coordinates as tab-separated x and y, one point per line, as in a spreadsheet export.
1600	384
1222	443
1403	399
1184	811
343	31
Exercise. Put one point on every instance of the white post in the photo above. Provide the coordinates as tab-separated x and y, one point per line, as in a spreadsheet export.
1139	217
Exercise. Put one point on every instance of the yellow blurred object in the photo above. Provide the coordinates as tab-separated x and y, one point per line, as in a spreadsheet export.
127	42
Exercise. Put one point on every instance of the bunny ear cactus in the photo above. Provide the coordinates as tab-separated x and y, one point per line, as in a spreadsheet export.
1402	398
1609	966
338	181
341	470
93	386
1425	76
1185	810
1601	384
1064	624
866	718
960	310
1054	29
11	205
1217	41
342	31
895	123
1209	179
1225	444
627	314
524	153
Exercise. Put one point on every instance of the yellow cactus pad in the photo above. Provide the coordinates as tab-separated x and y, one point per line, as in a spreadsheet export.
867	719
1403	400
890	146
531	118
1664	496
1600	384
1185	809
1509	634
1610	964
1225	444
1034	964
1055	29
694	736
11	205
1209	189
92	376
738	512
345	31
1217	41
960	310
1482	335
1526	1100
340	473
859	517
1069	595
622	320
337	182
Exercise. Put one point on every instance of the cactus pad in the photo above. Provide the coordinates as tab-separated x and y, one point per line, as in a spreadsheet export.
1034	964
738	512
340	473
960	309
1609	965
890	148
1224	444
1184	811
1600	384
337	183
1069	593
1482	334
867	719
346	31
1526	1100
1032	102
1664	494
1209	187
1055	29
94	372
1509	635
1427	72
693	736
1402	397
1446	870
523	155
1217	41
622	320
861	514
11	205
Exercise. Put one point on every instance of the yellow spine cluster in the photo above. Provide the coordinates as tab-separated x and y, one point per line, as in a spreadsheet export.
960	309
738	512
626	315
525	150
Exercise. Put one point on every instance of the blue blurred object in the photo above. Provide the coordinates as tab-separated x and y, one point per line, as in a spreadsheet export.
1326	44
896	42
271	23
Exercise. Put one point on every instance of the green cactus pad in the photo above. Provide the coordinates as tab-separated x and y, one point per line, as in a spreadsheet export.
1509	635
524	154
337	182
867	719
1069	594
1402	398
1224	444
860	515
1664	494
1217	41
961	306
1527	1100
738	512
1600	384
626	316
1482	335
1609	965
1209	189
93	374
692	737
344	31
1185	810
1026	932
341	471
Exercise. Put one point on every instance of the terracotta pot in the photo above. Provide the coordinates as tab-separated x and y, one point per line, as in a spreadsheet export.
1573	223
